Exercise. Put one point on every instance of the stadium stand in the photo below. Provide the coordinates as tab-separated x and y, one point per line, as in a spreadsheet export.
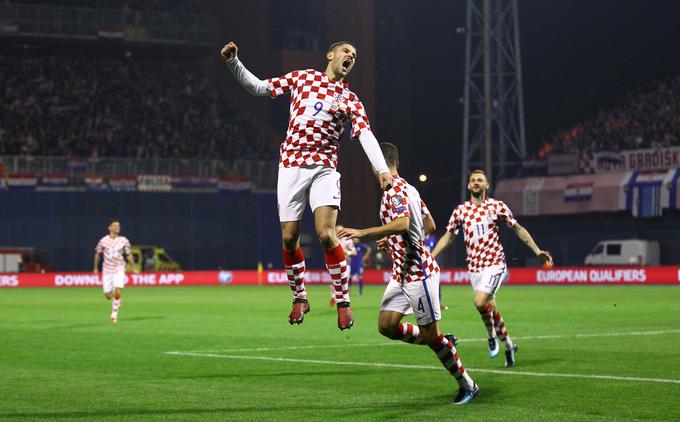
79	105
648	118
179	6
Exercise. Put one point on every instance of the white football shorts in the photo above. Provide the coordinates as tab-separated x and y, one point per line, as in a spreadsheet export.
318	185
111	281
489	280
423	296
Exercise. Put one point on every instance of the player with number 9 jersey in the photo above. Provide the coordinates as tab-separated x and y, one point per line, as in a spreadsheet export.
321	105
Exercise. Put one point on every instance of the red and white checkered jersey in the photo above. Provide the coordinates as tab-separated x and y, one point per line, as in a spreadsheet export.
481	227
348	247
411	260
114	251
423	210
319	110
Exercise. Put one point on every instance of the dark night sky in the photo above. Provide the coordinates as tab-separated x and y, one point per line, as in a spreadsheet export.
578	56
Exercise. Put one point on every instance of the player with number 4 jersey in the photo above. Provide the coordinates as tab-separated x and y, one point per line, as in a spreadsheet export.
320	107
413	288
479	218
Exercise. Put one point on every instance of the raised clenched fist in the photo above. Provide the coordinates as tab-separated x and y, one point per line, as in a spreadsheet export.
229	51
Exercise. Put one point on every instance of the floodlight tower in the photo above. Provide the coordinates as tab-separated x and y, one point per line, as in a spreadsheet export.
493	103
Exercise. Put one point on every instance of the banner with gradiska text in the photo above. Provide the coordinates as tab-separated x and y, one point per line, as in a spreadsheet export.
637	159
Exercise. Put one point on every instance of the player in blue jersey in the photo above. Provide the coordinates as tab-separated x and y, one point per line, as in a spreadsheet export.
357	262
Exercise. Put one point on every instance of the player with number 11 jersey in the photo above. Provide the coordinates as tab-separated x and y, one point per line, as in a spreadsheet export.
480	219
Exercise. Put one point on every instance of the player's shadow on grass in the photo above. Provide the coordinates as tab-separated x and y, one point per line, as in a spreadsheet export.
146	318
403	405
533	362
101	323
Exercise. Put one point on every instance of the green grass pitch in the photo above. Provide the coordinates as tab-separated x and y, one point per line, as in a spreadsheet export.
586	353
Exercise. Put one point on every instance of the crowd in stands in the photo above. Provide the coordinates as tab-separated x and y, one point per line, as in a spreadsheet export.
87	106
175	6
648	118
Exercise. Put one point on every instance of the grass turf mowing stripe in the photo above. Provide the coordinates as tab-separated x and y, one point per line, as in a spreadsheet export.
402	366
470	340
62	359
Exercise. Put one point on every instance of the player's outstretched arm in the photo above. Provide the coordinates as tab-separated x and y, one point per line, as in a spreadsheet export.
524	235
446	239
429	226
370	145
250	82
95	270
130	260
396	226
367	253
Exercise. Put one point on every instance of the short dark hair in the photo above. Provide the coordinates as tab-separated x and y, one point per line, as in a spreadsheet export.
390	152
338	44
114	220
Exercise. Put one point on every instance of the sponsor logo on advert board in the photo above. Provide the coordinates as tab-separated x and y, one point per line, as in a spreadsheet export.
311	276
9	281
154	279
618	275
225	277
80	280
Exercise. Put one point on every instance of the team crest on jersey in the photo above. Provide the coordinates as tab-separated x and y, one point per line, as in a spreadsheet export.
396	200
336	102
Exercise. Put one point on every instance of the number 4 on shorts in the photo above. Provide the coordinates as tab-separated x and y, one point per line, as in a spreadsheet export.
421	308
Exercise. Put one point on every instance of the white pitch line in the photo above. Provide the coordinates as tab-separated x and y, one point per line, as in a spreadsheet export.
402	366
470	340
318	346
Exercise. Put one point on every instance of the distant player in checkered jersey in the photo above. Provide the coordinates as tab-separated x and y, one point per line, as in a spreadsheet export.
415	276
480	218
321	105
116	250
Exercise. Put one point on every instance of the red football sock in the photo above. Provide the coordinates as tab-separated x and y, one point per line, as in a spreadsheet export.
115	304
410	333
339	270
448	356
487	317
294	263
501	331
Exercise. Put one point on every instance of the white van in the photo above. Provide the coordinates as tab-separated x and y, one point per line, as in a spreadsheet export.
625	252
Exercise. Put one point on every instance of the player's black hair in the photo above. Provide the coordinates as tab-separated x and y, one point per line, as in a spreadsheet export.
338	44
113	220
390	152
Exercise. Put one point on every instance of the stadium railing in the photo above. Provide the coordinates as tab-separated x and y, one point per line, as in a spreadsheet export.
263	173
90	23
